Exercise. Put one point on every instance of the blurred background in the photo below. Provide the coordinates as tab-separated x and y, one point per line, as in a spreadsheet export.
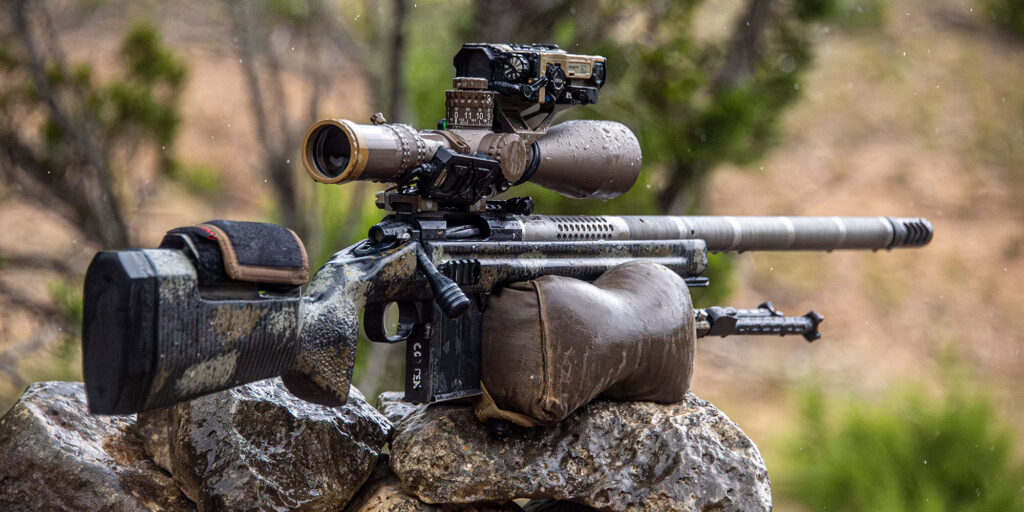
120	120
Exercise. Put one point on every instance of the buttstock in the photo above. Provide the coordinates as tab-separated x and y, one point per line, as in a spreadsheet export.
150	339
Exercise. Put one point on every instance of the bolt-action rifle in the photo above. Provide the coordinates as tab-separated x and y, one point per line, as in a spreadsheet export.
227	303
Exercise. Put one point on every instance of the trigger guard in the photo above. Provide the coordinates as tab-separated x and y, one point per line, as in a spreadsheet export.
373	321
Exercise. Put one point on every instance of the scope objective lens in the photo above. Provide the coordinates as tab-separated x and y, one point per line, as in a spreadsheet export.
331	151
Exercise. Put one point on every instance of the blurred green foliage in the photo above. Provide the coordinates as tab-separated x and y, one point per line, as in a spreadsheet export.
908	452
698	102
64	364
67	298
345	214
199	179
140	105
74	139
859	15
1006	14
64	360
429	51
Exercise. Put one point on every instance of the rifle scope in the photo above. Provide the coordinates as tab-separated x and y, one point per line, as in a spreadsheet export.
582	159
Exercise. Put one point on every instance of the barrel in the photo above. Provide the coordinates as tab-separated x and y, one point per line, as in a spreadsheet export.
724	233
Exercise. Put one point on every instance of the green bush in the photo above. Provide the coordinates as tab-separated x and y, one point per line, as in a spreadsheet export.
911	452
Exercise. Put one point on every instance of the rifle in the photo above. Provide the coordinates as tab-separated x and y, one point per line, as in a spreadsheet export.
165	325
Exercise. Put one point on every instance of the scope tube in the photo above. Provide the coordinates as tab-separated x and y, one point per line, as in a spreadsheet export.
583	159
739	233
588	159
338	150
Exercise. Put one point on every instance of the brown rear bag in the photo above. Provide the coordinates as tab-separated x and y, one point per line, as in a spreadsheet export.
553	344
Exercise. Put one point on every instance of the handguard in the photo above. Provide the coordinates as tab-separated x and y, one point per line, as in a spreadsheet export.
216	306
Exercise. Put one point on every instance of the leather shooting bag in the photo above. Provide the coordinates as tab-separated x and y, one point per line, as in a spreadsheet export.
553	344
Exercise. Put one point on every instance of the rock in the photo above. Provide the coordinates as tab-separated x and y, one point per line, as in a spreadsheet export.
151	427
54	455
555	506
382	493
391	405
257	447
607	455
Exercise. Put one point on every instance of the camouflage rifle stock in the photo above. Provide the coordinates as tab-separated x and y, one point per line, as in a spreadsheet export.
159	329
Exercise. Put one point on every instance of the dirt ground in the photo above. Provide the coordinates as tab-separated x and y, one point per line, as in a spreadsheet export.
925	118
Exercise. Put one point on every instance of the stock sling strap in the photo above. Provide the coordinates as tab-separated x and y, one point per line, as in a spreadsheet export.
553	344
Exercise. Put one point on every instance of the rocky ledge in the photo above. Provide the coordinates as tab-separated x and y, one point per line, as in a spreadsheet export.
54	455
607	455
258	448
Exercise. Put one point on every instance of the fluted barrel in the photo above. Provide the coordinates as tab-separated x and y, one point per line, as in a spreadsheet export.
740	233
